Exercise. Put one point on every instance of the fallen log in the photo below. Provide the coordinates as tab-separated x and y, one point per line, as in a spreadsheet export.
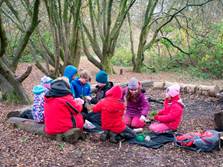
158	85
27	125
71	136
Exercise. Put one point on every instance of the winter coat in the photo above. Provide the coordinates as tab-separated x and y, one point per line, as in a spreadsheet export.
100	92
38	107
112	110
59	116
80	89
137	108
172	113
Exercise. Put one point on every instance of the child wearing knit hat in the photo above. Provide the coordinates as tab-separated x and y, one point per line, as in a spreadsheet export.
39	92
137	105
103	85
169	118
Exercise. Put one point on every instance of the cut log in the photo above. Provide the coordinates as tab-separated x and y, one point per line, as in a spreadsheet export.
158	85
168	84
190	88
147	83
208	90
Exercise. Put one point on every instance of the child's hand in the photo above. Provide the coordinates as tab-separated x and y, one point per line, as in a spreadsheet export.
142	118
88	97
79	101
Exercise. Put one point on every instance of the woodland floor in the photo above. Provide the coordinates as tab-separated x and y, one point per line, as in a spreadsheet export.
19	148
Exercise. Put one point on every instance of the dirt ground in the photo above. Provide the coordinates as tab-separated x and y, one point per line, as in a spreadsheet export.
20	149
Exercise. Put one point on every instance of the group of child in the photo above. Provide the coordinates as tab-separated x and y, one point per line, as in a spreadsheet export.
61	105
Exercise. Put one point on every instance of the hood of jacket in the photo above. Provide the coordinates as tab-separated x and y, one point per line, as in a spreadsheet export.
69	72
59	88
115	92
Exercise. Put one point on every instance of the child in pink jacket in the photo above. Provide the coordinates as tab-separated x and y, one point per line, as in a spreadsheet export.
169	118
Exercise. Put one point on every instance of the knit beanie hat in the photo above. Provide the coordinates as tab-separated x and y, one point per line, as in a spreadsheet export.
69	72
133	83
102	77
38	89
173	90
46	81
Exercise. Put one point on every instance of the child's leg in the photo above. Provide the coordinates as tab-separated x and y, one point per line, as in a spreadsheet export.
127	133
159	127
137	123
127	120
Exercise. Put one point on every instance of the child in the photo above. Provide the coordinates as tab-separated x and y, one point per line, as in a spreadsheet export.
37	111
81	86
137	105
39	92
61	111
103	85
112	110
70	72
170	116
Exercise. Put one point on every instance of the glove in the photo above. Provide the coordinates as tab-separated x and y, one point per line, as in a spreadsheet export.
142	118
79	101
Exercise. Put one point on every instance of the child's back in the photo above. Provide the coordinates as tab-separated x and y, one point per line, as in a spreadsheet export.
112	110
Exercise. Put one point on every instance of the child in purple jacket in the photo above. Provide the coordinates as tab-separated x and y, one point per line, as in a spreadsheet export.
137	105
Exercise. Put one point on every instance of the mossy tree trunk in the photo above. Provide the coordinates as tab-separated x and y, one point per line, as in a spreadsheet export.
9	82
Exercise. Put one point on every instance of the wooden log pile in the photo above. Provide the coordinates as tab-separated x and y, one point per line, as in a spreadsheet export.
212	90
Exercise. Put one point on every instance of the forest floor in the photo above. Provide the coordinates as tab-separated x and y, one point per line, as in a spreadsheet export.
19	148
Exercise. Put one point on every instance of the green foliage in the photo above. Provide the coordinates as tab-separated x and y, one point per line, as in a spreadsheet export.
26	59
122	57
205	60
11	97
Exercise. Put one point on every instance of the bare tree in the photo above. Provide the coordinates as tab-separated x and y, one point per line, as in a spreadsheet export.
64	20
8	81
102	25
155	21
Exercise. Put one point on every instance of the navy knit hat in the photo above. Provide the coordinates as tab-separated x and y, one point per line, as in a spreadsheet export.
102	77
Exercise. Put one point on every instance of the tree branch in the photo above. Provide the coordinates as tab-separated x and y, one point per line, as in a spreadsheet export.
175	46
3	38
22	77
24	39
147	46
87	53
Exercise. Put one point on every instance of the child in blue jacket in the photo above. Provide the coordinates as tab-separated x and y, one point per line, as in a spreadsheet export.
81	86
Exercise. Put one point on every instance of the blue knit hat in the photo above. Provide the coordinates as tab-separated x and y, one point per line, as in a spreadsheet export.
69	72
102	77
38	89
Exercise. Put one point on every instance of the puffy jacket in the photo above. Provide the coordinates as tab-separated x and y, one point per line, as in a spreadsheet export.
137	108
80	89
112	110
172	113
59	116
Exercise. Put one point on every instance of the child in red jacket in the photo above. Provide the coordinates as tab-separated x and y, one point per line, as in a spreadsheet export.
61	111
170	116
112	110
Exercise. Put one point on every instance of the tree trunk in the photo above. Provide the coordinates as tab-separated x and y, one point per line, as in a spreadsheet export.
140	57
11	82
107	65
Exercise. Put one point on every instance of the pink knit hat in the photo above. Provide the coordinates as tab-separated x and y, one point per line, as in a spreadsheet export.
173	90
